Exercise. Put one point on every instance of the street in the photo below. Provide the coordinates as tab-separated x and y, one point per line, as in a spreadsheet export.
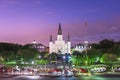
92	77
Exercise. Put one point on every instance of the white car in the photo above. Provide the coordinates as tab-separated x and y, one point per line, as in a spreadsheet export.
98	69
117	69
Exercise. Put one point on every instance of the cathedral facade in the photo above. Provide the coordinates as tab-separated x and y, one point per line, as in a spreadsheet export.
60	46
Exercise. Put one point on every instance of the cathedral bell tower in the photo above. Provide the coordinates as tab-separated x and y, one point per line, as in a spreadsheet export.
59	36
68	44
50	44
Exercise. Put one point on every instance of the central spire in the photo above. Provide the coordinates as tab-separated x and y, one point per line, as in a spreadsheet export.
59	30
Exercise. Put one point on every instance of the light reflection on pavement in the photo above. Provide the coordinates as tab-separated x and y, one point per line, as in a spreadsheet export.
61	78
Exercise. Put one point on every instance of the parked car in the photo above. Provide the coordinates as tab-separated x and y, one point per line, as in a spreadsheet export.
82	70
117	69
98	69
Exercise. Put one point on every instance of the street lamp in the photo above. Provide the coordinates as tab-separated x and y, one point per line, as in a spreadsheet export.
32	62
86	47
64	57
39	56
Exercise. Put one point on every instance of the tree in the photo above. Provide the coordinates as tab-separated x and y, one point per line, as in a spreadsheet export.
53	56
1	59
108	58
9	50
42	61
94	55
116	49
112	57
106	45
5	55
44	54
27	54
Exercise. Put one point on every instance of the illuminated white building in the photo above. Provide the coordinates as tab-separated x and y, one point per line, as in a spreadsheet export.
60	46
82	47
40	47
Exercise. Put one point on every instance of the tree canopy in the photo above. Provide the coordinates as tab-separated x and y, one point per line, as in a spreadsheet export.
11	51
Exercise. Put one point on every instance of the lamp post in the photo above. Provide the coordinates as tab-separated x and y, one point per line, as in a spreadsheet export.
86	47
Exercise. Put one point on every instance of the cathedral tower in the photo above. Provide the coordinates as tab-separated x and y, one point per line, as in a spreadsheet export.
59	36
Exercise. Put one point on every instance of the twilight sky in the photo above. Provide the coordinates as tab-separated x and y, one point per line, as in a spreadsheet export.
22	21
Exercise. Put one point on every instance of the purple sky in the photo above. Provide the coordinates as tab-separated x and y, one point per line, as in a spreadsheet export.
22	21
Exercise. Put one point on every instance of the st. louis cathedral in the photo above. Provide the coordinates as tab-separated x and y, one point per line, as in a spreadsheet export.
60	46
